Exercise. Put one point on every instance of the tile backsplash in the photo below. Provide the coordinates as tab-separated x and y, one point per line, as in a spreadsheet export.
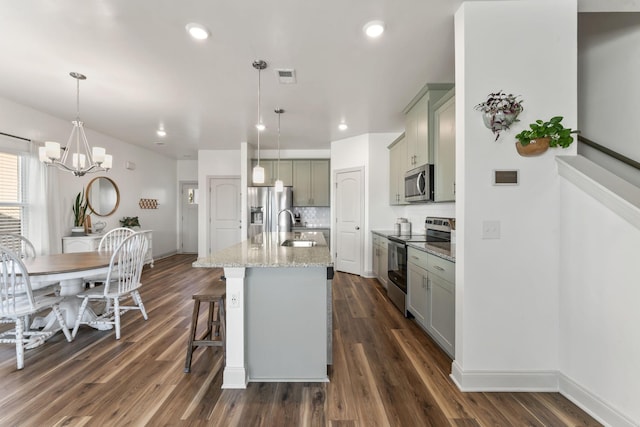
313	216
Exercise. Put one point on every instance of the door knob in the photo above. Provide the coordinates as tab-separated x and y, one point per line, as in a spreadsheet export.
357	228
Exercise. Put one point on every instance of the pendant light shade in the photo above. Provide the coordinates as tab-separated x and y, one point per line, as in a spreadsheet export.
83	158
258	171
279	183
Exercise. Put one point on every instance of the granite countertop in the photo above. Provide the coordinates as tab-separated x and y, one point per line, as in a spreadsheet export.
443	250
264	250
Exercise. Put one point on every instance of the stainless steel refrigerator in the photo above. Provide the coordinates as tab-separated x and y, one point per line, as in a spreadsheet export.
263	205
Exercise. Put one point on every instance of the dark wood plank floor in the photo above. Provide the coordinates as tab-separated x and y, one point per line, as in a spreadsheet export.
386	372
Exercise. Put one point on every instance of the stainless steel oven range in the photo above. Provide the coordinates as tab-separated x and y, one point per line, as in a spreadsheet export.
437	230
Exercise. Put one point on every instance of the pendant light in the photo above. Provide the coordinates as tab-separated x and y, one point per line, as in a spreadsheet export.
83	158
279	183
258	171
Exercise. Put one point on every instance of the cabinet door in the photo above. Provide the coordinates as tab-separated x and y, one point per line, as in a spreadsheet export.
417	292
442	312
411	138
286	171
421	149
383	263
301	182
397	169
445	151
319	182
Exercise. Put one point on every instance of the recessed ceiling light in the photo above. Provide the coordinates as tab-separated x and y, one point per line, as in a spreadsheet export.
197	31
161	133
374	29
343	126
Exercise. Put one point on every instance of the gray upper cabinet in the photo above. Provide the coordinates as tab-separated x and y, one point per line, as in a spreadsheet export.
397	168
444	148
271	172
419	126
311	182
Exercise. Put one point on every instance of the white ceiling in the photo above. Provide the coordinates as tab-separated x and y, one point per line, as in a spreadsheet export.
143	71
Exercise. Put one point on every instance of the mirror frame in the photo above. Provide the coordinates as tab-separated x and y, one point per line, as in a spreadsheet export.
88	193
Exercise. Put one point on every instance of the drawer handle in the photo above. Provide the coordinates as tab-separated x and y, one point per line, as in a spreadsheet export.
437	267
414	257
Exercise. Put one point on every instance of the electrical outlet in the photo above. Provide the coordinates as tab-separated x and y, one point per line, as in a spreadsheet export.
490	229
235	300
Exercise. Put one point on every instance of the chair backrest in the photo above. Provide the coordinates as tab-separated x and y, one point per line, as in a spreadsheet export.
113	238
15	286
126	264
20	245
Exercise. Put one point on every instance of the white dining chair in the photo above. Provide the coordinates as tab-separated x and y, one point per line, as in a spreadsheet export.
20	245
122	282
18	302
109	242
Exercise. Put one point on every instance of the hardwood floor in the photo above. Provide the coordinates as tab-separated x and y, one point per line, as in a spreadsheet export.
386	372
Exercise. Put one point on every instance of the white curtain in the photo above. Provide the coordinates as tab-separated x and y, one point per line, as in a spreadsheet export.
43	218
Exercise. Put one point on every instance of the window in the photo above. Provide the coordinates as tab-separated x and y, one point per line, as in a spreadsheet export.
12	194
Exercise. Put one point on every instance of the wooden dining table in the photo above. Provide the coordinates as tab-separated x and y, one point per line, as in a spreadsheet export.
69	269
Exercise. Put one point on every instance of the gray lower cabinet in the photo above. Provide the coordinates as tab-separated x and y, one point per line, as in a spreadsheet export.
380	259
431	296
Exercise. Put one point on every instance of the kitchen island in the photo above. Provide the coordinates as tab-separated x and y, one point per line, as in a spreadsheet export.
278	317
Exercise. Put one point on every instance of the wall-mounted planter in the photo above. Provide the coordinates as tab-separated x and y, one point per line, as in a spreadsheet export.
499	111
533	148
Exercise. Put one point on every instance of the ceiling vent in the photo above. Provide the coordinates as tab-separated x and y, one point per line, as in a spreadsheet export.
286	75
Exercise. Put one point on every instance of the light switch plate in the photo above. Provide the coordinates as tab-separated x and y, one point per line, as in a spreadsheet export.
490	229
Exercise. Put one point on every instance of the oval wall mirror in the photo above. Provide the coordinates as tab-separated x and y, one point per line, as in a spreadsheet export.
103	196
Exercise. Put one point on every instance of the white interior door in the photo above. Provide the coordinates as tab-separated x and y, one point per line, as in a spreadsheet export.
349	221
224	209
189	217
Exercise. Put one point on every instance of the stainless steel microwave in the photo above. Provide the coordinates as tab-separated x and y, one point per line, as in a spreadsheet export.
418	184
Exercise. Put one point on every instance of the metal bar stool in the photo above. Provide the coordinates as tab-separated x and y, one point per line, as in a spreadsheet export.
215	322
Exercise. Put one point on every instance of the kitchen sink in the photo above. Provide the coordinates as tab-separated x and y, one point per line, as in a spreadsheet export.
299	243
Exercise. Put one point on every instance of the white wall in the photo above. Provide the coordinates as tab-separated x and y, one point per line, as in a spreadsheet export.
507	289
213	163
153	178
599	294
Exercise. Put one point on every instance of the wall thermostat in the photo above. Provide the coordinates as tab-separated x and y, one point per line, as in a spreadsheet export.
506	177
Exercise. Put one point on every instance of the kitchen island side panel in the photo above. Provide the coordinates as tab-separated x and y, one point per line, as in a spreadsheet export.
286	315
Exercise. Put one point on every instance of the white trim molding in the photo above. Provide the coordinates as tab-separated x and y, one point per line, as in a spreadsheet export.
540	381
513	381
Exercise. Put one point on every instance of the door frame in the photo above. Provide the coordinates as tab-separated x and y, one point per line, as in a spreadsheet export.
334	209
208	225
181	183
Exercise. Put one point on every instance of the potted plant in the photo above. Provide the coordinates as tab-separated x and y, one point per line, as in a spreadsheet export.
130	222
79	209
500	110
542	135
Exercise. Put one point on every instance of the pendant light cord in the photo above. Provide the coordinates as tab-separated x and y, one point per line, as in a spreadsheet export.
257	126
279	114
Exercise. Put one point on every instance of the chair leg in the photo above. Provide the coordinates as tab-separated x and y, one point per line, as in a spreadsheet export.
83	307
63	324
20	343
192	335
116	309
138	299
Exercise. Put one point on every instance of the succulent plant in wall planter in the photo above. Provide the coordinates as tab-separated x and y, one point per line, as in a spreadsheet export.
542	135
499	111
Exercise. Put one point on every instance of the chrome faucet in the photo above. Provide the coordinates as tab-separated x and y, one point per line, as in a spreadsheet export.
293	220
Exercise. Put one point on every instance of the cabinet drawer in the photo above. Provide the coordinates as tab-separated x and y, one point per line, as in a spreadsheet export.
442	267
417	257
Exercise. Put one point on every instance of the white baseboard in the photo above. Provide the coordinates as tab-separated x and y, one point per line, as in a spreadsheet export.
368	274
504	380
234	378
593	405
540	381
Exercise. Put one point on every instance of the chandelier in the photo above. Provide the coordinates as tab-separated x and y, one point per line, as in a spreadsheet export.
83	159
